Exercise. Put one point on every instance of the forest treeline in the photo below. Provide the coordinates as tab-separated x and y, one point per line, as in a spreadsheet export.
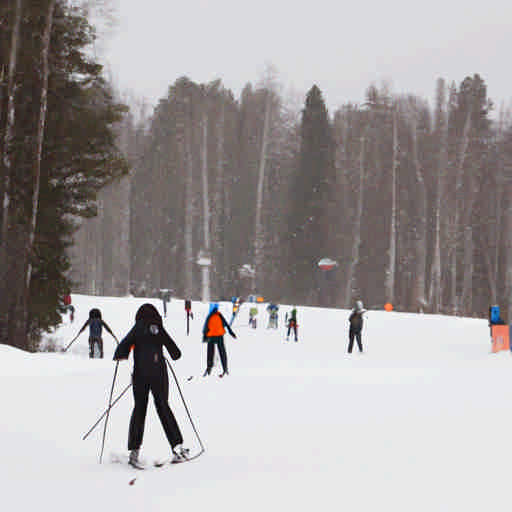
413	202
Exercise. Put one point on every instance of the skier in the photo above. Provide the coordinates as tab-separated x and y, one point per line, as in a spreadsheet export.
272	310
147	338
96	324
236	307
292	324
166	297
253	312
356	326
213	334
495	318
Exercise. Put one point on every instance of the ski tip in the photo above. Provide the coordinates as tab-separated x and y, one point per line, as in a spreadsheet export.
132	481
191	377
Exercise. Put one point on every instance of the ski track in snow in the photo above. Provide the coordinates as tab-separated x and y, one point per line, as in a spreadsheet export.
419	422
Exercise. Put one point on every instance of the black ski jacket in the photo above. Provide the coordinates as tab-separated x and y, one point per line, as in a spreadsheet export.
147	340
356	320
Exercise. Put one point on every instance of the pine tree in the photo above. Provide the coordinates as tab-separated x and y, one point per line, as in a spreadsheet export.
78	156
310	201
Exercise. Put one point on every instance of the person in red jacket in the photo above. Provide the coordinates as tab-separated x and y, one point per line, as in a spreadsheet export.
213	333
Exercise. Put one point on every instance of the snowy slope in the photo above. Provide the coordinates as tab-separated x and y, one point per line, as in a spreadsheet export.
420	421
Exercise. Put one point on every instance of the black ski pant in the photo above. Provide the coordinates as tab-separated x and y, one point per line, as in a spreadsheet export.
292	325
92	341
159	387
219	341
357	334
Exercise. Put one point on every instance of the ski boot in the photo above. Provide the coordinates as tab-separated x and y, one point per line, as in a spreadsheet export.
179	454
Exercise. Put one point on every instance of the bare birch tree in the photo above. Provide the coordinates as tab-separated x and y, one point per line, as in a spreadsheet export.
435	296
189	199
458	207
259	238
354	260
508	250
390	272
419	295
9	128
6	163
219	205
206	211
43	103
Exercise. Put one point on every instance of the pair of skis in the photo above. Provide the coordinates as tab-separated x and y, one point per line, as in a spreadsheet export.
221	375
159	463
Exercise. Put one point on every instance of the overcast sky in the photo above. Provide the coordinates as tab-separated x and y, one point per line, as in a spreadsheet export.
342	47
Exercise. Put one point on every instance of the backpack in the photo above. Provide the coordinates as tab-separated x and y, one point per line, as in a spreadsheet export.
495	314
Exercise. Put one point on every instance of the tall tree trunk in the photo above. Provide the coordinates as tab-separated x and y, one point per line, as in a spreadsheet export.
43	104
206	213
419	295
189	202
354	260
219	204
259	235
11	119
390	273
7	252
508	251
467	281
435	286
458	207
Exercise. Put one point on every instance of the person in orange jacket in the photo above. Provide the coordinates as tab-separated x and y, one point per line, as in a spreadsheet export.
214	329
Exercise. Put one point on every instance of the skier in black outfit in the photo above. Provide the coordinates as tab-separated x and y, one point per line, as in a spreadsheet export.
147	338
356	326
96	324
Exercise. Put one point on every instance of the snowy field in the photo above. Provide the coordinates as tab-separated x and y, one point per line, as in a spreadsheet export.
420	422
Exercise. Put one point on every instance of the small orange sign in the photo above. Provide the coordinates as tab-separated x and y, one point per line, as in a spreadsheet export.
500	338
388	306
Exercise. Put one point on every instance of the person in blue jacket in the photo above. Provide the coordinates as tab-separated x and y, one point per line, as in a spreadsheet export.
96	324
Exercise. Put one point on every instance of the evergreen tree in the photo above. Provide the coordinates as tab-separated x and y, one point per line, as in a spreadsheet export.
310	201
78	158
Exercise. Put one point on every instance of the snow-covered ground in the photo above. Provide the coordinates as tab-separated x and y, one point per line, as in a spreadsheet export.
420	422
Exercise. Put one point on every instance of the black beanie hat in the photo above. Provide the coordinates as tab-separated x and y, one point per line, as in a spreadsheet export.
148	314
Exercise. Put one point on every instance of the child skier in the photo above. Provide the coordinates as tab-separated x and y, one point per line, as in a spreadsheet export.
147	338
214	329
356	326
292	324
96	324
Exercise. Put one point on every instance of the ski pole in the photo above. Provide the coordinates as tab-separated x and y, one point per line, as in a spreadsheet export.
103	415
186	408
72	341
108	410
